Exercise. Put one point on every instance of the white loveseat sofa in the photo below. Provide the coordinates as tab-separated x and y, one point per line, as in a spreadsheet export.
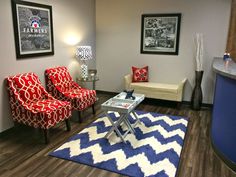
172	92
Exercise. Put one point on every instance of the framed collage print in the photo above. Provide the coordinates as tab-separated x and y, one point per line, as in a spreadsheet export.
160	33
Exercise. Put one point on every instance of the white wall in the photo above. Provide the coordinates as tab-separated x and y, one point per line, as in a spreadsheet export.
73	23
118	32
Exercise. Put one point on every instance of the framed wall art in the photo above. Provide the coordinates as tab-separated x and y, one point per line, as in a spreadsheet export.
33	29
160	33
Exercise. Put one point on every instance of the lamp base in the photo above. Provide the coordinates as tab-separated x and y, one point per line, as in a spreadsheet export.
84	71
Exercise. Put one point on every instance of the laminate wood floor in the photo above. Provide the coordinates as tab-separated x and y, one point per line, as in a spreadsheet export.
23	152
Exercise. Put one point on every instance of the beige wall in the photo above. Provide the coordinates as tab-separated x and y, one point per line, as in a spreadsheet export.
118	31
73	22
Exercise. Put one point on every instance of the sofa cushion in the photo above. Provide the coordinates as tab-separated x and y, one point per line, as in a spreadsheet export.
60	77
151	86
140	74
28	86
47	105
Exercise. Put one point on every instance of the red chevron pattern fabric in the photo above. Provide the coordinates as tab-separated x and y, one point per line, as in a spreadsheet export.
31	104
60	84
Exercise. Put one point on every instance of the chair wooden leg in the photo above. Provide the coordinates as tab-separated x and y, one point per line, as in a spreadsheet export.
68	127
45	131
178	105
16	124
79	117
93	107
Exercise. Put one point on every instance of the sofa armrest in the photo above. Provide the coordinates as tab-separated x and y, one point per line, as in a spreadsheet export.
128	80
180	89
181	85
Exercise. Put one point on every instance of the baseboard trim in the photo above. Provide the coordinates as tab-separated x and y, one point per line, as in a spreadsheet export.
206	105
107	92
152	100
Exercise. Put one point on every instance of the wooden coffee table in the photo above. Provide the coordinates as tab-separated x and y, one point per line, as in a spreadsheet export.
124	107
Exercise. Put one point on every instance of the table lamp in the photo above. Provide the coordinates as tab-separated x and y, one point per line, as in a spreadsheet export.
84	53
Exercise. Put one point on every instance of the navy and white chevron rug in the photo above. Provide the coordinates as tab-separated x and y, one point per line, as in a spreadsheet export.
154	150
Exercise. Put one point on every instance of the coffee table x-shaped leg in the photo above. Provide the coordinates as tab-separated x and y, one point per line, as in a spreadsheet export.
122	119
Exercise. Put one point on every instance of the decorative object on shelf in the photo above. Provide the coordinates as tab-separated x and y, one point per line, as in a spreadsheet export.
92	73
160	33
226	56
196	99
84	53
33	29
129	94
227	60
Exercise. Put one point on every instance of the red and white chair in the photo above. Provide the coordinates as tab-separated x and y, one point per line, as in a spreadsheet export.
31	104
60	84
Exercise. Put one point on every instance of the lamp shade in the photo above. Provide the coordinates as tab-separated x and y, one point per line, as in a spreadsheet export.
84	52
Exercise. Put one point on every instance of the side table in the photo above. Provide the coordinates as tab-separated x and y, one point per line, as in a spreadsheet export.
89	79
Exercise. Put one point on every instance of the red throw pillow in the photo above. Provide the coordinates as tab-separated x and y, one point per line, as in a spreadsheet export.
140	74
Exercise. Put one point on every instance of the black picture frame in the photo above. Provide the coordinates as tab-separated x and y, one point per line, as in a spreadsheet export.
160	33
33	29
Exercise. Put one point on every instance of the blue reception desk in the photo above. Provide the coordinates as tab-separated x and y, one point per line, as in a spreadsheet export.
223	127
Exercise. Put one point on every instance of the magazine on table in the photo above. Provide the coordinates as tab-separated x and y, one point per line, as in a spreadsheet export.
119	104
122	96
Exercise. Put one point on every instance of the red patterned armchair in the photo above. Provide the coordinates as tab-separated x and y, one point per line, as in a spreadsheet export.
31	104
60	84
